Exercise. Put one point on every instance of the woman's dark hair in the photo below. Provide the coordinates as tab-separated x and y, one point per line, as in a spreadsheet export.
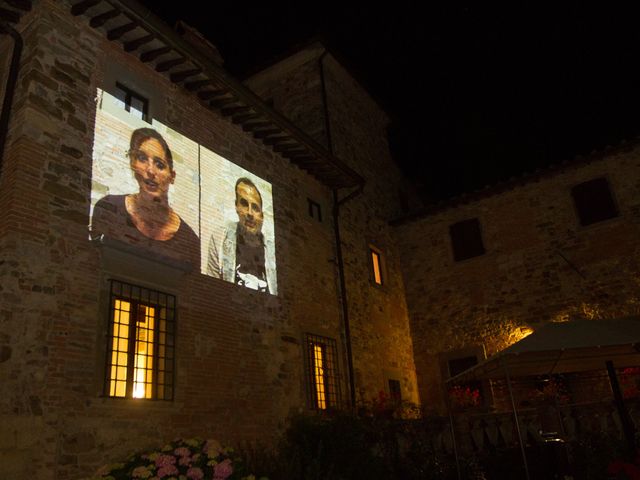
139	136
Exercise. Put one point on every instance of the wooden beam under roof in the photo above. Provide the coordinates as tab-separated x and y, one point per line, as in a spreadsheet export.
210	94
280	139
116	33
169	64
81	7
137	43
219	103
240	119
290	149
235	110
265	133
257	126
182	76
151	55
100	20
198	84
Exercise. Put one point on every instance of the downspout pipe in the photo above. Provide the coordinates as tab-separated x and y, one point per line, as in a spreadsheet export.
10	88
337	203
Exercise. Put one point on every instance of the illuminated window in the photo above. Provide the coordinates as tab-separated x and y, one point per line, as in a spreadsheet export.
376	266
314	210
594	201
140	350
466	240
324	391
133	102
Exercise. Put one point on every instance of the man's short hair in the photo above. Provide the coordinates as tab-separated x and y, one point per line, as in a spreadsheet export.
248	182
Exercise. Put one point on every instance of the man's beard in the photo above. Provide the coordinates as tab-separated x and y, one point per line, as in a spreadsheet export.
249	238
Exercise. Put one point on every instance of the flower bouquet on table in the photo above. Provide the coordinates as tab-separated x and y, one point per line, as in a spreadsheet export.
191	459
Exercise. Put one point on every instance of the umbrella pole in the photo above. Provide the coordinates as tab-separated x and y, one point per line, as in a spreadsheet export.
453	433
627	425
515	416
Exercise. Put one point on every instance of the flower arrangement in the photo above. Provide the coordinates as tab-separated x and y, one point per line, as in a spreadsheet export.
191	459
463	396
630	382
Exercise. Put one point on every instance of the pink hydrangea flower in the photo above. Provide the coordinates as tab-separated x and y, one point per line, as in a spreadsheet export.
223	470
167	470
165	460
182	451
195	473
185	461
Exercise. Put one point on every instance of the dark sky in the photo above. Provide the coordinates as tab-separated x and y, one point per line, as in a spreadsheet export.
478	92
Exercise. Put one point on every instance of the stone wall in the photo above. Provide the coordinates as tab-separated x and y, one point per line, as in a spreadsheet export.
381	340
240	369
540	265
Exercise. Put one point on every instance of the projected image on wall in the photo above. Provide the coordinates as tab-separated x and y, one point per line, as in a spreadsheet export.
158	190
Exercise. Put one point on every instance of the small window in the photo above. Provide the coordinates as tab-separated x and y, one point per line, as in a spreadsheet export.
314	210
594	201
141	340
376	266
324	391
395	393
466	239
133	102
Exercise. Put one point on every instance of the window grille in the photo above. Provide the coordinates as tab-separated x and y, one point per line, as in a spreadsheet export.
133	101
324	391
140	343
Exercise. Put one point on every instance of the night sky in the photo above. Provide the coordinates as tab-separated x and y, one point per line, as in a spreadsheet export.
477	93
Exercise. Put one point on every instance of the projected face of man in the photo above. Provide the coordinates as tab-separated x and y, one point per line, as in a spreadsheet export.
152	170
249	208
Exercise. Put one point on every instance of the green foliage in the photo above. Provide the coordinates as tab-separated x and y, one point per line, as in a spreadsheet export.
344	446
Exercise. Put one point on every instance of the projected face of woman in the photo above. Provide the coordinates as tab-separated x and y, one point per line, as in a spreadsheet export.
152	170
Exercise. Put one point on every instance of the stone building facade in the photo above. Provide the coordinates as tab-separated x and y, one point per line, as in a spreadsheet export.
538	261
242	360
392	302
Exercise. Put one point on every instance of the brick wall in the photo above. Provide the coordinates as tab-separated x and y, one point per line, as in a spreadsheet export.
239	353
535	247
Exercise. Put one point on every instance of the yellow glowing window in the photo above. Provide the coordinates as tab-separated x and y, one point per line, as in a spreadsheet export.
141	339
376	264
323	373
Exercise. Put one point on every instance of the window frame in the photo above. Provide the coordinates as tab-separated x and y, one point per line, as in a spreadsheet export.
332	394
314	207
457	251
375	252
579	209
162	370
129	95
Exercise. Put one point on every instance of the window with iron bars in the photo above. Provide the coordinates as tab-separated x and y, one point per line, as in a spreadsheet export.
322	364
140	343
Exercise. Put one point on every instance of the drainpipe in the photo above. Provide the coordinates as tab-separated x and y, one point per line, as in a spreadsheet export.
12	80
337	203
